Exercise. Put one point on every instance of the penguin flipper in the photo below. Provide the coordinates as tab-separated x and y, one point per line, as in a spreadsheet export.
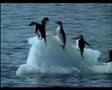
87	43
39	38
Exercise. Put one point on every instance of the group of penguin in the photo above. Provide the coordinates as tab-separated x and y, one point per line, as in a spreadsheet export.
41	33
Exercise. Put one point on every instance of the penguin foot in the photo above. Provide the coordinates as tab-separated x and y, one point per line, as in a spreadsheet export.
62	47
83	57
40	38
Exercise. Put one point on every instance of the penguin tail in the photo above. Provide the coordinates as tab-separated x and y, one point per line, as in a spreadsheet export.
45	41
63	47
82	56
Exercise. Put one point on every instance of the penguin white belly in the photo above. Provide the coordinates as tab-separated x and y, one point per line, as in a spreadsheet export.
59	36
38	32
77	41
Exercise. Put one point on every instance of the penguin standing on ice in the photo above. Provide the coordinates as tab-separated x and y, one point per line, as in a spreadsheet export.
81	43
40	28
61	34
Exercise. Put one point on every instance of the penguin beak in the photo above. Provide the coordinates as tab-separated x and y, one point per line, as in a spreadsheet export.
75	38
48	20
29	24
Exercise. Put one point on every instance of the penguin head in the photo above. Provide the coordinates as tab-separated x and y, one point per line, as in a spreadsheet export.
59	23
32	23
45	20
80	36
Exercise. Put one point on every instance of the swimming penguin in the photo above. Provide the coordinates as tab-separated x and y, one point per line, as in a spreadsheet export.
40	28
110	56
61	34
81	43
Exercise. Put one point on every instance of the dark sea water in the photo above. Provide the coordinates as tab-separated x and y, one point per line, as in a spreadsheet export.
94	21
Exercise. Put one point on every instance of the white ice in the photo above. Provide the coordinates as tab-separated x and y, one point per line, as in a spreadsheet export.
52	59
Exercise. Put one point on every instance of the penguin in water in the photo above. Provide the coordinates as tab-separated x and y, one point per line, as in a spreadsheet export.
61	34
81	44
40	28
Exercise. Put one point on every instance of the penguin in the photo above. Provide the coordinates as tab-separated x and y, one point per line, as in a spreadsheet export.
37	30
40	28
81	44
110	56
61	34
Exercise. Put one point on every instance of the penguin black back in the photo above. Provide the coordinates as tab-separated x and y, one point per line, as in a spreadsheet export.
110	55
43	31
81	44
64	36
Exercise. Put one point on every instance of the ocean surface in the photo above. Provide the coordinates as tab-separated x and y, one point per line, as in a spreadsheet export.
92	20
